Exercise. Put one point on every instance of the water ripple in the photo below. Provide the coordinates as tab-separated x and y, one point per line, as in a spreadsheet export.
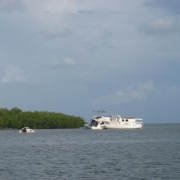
81	154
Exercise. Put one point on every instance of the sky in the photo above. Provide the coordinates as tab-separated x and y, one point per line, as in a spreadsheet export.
77	56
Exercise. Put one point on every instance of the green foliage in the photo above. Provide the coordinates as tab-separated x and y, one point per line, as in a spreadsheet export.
16	119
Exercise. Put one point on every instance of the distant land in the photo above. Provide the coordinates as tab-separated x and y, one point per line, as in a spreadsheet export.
15	118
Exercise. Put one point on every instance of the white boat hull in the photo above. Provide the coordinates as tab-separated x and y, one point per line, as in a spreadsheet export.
98	127
124	126
26	130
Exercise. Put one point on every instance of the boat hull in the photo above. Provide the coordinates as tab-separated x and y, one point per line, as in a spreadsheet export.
26	130
124	126
98	127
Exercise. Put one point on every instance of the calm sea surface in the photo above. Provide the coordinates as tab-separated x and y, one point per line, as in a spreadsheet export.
150	153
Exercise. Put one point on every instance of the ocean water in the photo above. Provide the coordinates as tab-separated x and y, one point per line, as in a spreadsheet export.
69	154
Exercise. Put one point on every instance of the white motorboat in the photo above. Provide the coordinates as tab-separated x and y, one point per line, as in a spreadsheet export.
94	125
117	122
26	130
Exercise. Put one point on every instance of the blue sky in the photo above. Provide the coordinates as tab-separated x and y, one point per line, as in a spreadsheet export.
76	56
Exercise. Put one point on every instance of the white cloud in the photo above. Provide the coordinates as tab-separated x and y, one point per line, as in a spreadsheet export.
11	5
61	64
162	26
174	90
171	6
50	15
13	74
59	6
69	62
56	32
138	92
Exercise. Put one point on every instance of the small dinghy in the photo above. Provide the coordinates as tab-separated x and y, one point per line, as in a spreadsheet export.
26	130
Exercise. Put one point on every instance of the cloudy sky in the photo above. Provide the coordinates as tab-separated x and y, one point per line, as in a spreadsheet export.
76	56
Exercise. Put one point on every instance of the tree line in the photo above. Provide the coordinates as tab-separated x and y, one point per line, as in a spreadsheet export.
15	118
